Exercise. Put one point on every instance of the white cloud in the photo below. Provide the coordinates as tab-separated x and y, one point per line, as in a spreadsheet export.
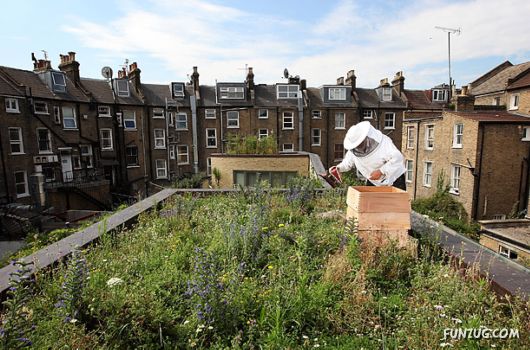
376	43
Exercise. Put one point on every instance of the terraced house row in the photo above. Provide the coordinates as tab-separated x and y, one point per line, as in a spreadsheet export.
72	142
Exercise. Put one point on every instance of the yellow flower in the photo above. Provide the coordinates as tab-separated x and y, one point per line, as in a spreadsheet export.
281	225
270	267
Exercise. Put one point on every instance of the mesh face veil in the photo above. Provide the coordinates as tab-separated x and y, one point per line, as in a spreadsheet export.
367	146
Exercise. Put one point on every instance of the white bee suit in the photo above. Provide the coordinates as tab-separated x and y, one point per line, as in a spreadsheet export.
380	154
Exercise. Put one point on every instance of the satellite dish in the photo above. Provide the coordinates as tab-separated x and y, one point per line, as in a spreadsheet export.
285	73
106	72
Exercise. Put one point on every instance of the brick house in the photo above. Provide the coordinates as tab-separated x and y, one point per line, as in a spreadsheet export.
518	93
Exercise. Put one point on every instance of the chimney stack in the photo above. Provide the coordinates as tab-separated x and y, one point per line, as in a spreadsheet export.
398	83
303	84
384	82
70	67
134	76
122	73
463	102
195	81
250	79
41	65
351	79
340	81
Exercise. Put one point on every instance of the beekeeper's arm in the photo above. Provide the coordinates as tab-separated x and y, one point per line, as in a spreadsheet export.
347	163
394	165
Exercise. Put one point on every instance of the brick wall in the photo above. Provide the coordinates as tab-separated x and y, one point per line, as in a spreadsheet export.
494	244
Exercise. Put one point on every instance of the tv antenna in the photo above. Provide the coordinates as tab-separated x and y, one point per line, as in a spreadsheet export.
246	68
45	54
286	73
449	31
106	72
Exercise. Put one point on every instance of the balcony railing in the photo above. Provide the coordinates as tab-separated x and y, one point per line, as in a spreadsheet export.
74	178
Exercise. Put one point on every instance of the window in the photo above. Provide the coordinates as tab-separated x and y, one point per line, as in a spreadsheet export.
315	137
252	178
160	138
122	86
56	115
40	107
263	133
182	155
458	135
131	156
232	92
410	168
209	114
429	137
316	114
182	121
507	252
158	113
171	151
496	101
514	101
21	184
15	140
106	139
287	147
232	119
288	121
129	120
211	138
386	94
455	179
390	120
161	169
367	114
178	89
439	95
48	172
410	137
208	166
170	118
526	133
287	91
103	111
86	155
338	151
12	105
340	120
499	217
76	160
59	82
427	174
44	140
263	114
69	120
337	94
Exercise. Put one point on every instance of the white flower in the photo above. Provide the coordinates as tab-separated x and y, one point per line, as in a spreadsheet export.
443	345
114	281
186	322
73	320
457	320
316	345
305	337
442	315
210	327
438	307
446	275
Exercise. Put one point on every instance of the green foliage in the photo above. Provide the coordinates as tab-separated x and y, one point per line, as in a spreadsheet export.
250	144
191	181
350	179
216	175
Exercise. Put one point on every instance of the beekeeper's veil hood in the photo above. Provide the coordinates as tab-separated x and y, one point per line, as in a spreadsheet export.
362	139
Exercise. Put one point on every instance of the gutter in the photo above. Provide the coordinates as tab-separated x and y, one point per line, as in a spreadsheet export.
300	123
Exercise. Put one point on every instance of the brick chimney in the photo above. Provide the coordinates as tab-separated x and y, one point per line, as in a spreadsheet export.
195	81
250	79
463	102
351	79
134	76
122	73
70	67
340	81
303	84
40	65
398	83
384	82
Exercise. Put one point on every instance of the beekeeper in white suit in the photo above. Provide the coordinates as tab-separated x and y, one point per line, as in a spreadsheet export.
374	156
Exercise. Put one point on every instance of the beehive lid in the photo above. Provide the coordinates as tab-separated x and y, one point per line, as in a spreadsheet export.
382	199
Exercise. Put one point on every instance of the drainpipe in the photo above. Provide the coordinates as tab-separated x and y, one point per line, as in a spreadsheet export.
416	146
328	128
526	190
194	134
300	123
476	189
278	128
4	167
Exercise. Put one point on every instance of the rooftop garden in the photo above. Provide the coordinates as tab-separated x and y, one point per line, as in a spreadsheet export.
253	270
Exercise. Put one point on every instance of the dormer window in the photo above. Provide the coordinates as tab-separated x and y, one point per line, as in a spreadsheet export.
232	92
178	89
122	86
58	81
439	95
386	94
337	94
287	91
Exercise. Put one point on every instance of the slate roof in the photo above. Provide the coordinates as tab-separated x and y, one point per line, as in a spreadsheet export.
102	92
493	117
207	93
265	95
8	88
368	98
419	99
521	82
499	81
316	101
156	94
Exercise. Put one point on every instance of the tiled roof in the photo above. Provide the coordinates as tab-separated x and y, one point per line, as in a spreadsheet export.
419	99
207	96
493	117
102	92
498	81
156	95
368	98
521	82
265	95
8	88
316	101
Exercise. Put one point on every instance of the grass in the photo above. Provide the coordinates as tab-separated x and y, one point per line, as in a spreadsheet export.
258	271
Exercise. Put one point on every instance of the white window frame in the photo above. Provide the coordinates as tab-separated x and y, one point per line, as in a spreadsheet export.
411	136
338	124
171	118
127	156
262	133
25	183
262	115
316	114
231	92
178	89
129	116
181	121
161	168
337	94
514	102
526	133
210	137
49	141
88	155
429	136
42	104
499	217
19	142
54	81
57	115
335	151
120	90
12	105
160	139
368	114
76	161
436	95
409	172
286	124
456	171
458	135
210	114
171	151
316	135
179	154
208	166
506	252
286	149
393	121
427	173
102	137
67	117
158	113
386	94
287	91
104	111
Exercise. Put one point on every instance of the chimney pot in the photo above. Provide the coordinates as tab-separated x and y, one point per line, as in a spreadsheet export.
340	81
350	74
71	55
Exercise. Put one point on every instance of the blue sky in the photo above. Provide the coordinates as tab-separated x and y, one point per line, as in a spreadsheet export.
318	40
